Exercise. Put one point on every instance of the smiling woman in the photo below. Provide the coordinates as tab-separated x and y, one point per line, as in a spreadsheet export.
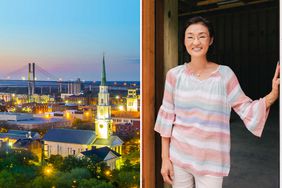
194	117
198	86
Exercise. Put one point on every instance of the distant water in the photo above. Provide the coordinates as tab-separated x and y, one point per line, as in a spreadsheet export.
24	83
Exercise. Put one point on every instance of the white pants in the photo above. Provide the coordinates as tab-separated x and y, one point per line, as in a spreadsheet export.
185	179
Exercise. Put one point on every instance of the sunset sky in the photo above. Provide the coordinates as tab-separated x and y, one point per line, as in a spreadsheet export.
68	38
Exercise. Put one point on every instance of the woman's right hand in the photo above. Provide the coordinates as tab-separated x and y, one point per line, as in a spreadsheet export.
167	171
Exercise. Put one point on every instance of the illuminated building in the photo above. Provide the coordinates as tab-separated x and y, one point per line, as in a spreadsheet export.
72	142
13	135
27	144
103	154
9	116
103	121
132	100
74	87
28	121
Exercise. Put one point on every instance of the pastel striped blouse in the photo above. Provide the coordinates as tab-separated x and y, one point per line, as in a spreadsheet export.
195	114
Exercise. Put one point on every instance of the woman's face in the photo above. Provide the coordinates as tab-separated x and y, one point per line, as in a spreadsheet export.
197	40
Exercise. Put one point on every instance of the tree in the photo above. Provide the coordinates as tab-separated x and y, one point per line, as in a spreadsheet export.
40	182
17	164
13	159
82	125
94	183
69	179
127	179
127	176
71	162
79	173
56	161
7	180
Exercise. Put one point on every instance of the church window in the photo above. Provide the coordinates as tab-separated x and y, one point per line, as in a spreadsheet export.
73	152
49	150
101	126
102	101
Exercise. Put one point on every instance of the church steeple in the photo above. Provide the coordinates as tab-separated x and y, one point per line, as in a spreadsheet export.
103	121
103	80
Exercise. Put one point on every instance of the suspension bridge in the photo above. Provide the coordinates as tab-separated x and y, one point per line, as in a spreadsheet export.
32	78
37	80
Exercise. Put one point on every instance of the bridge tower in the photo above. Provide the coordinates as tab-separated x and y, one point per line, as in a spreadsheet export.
31	80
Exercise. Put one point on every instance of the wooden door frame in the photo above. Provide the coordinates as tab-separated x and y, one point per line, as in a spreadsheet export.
159	53
148	93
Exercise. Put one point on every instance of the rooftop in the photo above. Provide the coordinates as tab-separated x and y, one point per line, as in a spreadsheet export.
70	136
101	153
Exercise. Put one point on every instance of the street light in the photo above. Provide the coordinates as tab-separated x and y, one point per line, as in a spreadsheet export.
10	144
48	117
48	170
67	115
107	172
121	108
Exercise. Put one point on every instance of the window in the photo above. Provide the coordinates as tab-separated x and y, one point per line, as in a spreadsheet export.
49	150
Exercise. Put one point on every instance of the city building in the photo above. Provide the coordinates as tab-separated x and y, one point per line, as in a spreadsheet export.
127	131
41	98
132	100
13	136
104	154
125	120
6	96
103	121
74	87
10	116
66	142
32	145
29	121
72	142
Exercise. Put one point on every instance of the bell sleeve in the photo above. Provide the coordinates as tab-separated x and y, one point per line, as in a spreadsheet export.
253	112
166	115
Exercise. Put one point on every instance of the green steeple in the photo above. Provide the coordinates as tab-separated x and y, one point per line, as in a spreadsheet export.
103	81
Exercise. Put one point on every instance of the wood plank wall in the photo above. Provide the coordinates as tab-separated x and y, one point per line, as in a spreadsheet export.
166	58
159	83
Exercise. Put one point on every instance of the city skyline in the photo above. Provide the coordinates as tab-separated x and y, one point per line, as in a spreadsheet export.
68	38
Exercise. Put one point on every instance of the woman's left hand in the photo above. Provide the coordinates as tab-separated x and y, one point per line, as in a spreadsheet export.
276	81
274	94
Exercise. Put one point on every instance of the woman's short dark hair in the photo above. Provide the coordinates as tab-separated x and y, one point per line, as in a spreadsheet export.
201	20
